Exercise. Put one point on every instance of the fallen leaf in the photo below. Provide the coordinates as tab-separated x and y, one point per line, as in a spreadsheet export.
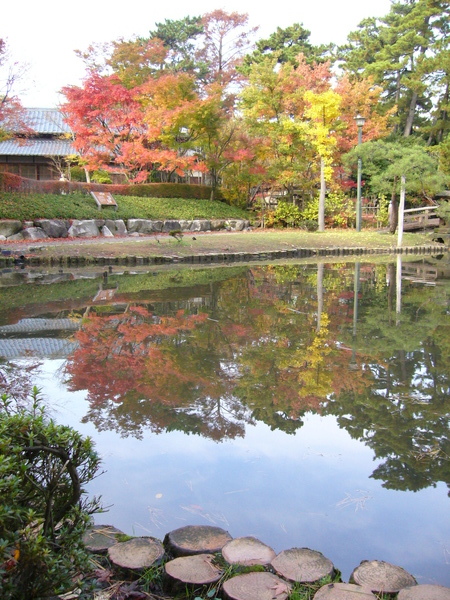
279	589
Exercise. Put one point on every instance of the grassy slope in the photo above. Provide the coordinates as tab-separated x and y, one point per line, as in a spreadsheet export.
27	207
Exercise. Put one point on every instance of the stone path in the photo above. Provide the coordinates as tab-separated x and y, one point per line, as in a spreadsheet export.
206	558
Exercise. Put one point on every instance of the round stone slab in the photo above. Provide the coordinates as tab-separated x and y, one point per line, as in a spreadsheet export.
256	586
302	565
197	569
343	591
138	553
196	539
381	576
424	592
99	538
247	551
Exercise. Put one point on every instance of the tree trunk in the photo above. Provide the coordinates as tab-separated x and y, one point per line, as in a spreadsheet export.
323	189
401	211
319	295
411	113
393	213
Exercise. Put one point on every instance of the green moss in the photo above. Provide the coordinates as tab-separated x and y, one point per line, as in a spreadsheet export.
123	537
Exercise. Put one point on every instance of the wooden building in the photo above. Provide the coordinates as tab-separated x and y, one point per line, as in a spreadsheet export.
38	154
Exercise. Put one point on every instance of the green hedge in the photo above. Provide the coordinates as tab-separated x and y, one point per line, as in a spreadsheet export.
10	182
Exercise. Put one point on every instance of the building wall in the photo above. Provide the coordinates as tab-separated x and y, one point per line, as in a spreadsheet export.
28	167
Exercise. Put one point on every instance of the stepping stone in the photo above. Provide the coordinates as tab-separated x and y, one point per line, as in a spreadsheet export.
344	591
194	570
256	586
381	576
424	592
99	538
196	539
302	565
247	551
136	554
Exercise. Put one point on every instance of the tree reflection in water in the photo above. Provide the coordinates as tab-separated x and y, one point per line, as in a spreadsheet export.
273	344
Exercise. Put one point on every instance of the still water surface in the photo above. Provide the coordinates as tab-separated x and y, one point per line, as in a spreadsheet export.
304	404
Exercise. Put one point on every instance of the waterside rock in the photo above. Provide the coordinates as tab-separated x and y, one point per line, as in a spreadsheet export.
381	577
136	554
196	539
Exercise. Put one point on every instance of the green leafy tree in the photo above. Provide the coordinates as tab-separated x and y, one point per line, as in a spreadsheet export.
384	164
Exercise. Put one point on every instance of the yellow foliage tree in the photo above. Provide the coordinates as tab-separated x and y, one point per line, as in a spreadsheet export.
322	113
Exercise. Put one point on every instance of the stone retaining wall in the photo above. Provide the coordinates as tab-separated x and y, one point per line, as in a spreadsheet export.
40	229
31	257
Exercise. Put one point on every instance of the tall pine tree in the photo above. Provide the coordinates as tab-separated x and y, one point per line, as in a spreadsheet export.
407	52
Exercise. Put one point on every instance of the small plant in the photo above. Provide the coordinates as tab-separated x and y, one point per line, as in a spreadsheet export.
383	211
177	234
307	591
310	225
151	579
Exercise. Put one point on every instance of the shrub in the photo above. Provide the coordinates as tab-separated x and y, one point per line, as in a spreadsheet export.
10	182
43	509
310	225
101	177
383	211
77	174
443	212
339	210
285	215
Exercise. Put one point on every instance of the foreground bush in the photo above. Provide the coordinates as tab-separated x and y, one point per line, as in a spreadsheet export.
43	507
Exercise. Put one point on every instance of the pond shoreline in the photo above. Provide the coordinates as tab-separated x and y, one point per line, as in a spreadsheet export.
34	255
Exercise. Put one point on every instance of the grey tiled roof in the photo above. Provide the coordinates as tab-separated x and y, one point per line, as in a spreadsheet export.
33	325
33	147
39	347
46	121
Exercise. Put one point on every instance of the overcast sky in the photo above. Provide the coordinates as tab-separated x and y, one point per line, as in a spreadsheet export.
45	33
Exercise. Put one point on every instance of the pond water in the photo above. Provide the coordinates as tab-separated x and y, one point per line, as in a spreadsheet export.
305	404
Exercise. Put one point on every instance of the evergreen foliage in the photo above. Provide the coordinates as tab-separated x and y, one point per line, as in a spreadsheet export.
44	513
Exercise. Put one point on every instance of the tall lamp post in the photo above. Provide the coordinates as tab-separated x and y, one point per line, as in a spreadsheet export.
360	120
